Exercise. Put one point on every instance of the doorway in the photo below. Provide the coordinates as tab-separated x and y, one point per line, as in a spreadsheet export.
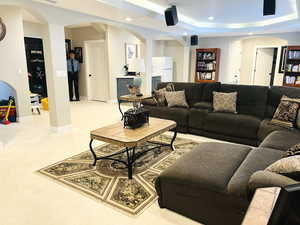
97	70
264	66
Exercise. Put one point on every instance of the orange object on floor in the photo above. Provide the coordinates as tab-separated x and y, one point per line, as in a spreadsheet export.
45	104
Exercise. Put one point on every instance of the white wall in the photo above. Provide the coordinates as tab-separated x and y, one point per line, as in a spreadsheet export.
175	50
116	39
34	30
231	50
248	54
6	91
13	59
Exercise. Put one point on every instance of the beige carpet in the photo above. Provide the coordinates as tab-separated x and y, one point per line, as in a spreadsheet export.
108	181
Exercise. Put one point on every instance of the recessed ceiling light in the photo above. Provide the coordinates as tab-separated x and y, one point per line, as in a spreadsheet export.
185	33
250	33
211	18
128	19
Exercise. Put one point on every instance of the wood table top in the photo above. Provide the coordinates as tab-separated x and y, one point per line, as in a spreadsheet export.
118	135
133	98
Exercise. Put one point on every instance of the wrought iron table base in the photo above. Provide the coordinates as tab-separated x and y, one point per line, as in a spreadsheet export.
132	156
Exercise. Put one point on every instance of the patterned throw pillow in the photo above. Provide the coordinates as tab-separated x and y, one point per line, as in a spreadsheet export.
289	167
159	95
224	102
176	98
295	150
286	113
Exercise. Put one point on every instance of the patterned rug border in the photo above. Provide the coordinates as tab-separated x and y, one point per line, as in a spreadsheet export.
105	198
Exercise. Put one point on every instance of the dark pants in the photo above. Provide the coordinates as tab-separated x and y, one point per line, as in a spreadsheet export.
73	79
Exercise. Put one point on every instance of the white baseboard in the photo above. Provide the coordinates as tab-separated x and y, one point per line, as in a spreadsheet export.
62	129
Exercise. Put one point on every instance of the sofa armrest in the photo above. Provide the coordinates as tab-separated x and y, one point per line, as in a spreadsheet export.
263	179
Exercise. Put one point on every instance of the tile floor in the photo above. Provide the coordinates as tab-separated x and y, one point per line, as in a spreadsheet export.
28	198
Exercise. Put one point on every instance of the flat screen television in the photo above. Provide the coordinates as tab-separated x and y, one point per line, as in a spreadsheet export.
287	207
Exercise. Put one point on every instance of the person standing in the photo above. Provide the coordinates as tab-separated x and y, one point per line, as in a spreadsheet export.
73	71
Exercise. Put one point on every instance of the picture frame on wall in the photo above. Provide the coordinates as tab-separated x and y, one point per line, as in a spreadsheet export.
78	54
131	52
68	47
282	59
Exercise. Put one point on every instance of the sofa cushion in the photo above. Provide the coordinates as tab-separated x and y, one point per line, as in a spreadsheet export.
251	99
203	105
266	127
193	91
197	118
286	112
180	115
208	90
264	179
275	94
257	159
281	140
224	102
208	166
236	125
176	98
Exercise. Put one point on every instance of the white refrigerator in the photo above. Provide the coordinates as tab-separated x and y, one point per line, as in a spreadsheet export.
163	66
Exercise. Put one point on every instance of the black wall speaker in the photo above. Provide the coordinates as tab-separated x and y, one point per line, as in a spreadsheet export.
194	40
269	7
171	16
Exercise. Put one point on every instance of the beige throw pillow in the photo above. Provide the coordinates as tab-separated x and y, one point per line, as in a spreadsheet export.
176	98
289	167
224	102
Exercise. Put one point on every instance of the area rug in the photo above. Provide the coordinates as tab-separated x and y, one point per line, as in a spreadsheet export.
108	181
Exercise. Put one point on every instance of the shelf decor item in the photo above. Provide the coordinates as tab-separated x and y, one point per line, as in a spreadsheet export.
291	66
137	65
2	30
207	65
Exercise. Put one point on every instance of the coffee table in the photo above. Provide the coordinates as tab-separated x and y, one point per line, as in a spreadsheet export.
136	101
130	139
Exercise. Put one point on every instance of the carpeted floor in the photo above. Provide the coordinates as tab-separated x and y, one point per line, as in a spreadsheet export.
108	181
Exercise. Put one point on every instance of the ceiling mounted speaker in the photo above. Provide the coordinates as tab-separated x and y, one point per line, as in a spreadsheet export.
269	7
194	40
171	16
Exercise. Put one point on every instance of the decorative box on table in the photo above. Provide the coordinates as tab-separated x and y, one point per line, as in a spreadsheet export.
136	117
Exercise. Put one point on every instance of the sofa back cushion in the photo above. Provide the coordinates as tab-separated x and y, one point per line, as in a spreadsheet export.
208	90
275	94
251	99
193	91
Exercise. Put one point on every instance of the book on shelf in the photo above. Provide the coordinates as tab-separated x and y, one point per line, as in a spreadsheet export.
293	68
294	54
298	80
290	79
206	75
206	56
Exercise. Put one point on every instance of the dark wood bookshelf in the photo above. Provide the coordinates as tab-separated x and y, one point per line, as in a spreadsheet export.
291	76
207	65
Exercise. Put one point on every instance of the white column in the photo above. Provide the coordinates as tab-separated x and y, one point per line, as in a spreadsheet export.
57	78
186	64
148	64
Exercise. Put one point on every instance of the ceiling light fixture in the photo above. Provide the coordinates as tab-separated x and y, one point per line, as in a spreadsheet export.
128	19
185	33
250	33
211	18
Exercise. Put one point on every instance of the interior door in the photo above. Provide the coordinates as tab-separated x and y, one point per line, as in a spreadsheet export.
263	66
97	71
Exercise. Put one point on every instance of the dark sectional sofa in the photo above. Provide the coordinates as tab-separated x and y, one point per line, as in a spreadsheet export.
214	183
255	105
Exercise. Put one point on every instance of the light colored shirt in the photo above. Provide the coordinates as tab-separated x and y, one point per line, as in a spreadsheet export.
76	65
